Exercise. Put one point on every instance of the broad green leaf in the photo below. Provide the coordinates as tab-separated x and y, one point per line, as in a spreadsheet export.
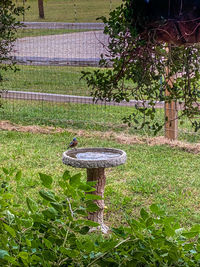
188	246
138	256
144	214
57	206
11	260
149	222
134	224
62	184
173	253
156	210
69	252
7	196
38	217
91	183
86	245
49	255
26	223
47	195
71	191
23	255
75	179
28	242
92	197
197	257
18	175
110	244
169	231
84	230
32	205
119	231
195	228
47	243
113	262
88	223
46	180
3	253
91	206
190	234
66	175
10	217
10	230
87	188
81	211
35	258
50	213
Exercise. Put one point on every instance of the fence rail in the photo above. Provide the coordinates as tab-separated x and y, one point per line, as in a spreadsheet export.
45	61
22	95
60	98
63	25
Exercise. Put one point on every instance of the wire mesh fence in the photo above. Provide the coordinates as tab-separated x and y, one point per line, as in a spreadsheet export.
51	54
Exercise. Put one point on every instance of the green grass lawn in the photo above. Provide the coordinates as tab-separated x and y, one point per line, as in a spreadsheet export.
21	33
47	79
152	174
70	11
51	79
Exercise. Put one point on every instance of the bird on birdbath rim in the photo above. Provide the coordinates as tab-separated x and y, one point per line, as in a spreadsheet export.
73	143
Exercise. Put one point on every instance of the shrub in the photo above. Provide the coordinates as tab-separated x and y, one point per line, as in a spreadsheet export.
8	27
54	231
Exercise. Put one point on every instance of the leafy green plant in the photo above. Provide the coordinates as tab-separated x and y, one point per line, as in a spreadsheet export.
154	240
45	235
8	27
54	231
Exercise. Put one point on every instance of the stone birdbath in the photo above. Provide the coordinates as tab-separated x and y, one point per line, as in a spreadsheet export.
95	160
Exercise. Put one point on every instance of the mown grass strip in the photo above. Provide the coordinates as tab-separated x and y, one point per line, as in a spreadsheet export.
69	11
84	116
21	33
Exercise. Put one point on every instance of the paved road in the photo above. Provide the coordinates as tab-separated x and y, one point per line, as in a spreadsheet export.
83	45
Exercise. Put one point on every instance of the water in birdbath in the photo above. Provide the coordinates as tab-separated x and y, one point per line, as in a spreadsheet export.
96	155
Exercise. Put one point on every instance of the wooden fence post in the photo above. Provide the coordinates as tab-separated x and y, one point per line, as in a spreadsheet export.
171	111
41	9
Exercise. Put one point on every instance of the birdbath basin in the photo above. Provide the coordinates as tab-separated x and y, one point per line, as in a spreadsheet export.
95	160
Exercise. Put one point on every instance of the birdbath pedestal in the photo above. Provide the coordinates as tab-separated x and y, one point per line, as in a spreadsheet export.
95	160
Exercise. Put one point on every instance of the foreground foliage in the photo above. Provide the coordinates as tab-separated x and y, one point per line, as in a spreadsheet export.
53	231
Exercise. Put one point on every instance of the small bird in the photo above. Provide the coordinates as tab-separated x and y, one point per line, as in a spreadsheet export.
73	143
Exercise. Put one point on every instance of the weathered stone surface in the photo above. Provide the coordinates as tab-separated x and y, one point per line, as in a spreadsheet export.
69	158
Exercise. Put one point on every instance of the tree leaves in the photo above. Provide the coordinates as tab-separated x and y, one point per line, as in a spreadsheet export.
9	25
143	70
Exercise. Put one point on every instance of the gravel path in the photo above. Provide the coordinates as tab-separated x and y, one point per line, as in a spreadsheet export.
82	45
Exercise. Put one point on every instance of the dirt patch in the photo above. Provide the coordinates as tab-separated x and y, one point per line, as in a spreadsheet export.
120	138
8	126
